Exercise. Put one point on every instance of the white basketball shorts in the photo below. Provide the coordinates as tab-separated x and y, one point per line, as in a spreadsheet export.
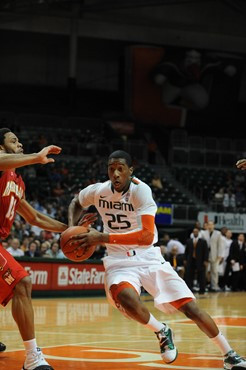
147	269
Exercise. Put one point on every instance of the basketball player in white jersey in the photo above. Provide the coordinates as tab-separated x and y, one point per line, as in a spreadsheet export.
128	213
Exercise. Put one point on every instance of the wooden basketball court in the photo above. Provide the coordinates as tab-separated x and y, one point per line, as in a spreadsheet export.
87	333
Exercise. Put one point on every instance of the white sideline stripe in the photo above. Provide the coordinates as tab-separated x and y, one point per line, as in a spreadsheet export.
177	367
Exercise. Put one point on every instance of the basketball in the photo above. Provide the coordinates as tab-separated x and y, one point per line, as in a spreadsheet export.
73	252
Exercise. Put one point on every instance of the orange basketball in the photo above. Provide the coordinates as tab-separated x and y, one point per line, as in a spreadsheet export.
73	252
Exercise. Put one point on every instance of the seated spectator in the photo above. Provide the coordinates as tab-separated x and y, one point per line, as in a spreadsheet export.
170	243
232	201
156	182
163	249
32	250
226	201
24	243
240	197
219	196
63	169
177	261
58	191
29	172
14	248
18	229
239	178
44	247
54	251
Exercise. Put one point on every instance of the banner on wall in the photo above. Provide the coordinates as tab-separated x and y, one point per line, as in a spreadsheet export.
236	222
62	276
164	214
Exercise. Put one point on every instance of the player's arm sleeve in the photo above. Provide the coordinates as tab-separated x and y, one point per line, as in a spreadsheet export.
80	202
145	208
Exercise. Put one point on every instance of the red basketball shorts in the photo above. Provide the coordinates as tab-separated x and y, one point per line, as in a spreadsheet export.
11	272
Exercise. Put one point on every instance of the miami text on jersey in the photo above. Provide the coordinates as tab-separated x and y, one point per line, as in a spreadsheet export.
116	205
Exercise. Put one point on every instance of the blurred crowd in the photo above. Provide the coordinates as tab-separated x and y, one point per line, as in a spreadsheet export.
210	260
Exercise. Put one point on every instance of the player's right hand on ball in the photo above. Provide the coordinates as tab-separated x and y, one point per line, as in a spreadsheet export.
51	149
93	237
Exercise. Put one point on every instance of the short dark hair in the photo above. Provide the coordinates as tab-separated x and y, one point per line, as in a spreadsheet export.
121	154
3	131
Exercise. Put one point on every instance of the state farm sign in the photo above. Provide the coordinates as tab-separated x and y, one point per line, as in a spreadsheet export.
57	276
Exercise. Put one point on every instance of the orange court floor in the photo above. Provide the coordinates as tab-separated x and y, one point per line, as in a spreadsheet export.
87	333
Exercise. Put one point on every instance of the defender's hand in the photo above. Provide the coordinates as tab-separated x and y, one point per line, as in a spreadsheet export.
241	164
51	149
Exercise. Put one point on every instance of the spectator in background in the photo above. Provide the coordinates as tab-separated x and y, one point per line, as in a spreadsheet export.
239	196
156	182
216	253
196	261
226	201
29	173
170	243
232	201
197	226
54	251
236	260
18	229
32	250
24	243
5	244
242	278
57	190
177	261
14	248
219	196
226	267
44	247
239	178
152	151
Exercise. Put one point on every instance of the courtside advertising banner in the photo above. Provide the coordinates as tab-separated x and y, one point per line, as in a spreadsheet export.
164	214
236	222
62	276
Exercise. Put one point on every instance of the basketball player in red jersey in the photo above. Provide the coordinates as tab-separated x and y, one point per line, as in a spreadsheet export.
15	283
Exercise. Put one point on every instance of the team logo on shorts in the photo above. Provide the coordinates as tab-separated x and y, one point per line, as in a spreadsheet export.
8	277
3	262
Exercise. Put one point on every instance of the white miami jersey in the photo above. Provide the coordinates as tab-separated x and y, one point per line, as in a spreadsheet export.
120	212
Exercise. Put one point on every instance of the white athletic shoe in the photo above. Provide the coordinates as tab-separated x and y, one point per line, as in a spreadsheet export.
36	361
232	361
168	350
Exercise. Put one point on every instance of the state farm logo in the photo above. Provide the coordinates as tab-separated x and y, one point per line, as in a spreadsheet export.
38	277
74	276
63	276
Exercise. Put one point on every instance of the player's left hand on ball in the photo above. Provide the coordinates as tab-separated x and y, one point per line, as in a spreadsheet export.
88	219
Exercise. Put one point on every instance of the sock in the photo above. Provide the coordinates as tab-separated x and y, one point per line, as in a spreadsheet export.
154	324
222	343
30	345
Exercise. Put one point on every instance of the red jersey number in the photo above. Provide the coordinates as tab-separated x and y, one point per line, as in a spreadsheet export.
11	211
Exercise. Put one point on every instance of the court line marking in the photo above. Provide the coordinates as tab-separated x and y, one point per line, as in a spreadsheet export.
178	367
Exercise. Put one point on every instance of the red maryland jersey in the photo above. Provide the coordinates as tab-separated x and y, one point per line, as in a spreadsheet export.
12	190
